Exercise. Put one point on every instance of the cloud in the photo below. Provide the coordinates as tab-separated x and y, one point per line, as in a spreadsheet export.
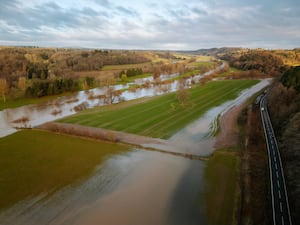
103	3
155	24
126	11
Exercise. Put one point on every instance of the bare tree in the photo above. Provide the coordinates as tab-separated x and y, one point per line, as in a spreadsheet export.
182	93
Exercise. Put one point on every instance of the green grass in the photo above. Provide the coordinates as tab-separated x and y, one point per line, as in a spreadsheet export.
126	66
34	162
161	116
221	187
131	79
231	70
200	63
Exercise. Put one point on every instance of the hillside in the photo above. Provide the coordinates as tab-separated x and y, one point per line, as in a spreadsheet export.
284	105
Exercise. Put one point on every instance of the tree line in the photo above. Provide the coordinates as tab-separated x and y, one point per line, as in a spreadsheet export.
284	107
261	61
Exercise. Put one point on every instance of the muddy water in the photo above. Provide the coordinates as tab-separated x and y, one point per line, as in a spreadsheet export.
136	188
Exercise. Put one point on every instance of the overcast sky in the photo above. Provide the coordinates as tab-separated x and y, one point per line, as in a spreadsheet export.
151	24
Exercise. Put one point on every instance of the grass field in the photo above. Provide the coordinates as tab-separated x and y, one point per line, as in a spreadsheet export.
34	162
221	187
161	116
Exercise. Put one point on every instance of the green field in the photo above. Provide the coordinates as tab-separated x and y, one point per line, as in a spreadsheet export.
221	187
34	162
126	66
161	116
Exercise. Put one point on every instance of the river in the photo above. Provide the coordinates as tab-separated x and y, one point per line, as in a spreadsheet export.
134	188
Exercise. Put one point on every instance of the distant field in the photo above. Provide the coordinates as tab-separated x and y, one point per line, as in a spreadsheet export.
200	63
161	116
126	66
35	162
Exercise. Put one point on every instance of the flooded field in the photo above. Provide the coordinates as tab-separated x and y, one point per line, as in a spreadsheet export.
138	187
34	115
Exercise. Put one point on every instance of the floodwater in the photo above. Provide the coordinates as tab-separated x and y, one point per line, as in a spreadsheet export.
134	188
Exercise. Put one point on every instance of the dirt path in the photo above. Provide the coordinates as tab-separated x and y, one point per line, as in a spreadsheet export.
229	132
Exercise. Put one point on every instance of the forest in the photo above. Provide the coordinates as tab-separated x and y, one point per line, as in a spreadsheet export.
37	72
284	105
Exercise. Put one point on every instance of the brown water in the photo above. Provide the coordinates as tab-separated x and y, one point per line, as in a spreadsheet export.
139	187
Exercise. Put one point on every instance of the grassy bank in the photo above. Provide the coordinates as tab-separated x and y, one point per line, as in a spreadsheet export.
221	187
161	116
34	162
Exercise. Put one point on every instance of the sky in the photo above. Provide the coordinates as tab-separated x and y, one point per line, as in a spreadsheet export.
151	24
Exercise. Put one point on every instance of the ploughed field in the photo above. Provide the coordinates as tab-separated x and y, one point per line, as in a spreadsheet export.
161	116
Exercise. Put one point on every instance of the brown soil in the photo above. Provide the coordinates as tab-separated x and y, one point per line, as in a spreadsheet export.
229	131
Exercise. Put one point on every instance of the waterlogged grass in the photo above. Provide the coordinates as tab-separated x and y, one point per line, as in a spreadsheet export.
34	162
161	116
27	101
221	187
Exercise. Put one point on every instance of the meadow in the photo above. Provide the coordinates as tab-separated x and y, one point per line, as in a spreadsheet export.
161	116
34	162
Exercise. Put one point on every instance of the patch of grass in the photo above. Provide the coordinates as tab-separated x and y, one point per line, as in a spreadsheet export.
34	162
221	187
131	79
162	116
201	63
231	71
215	126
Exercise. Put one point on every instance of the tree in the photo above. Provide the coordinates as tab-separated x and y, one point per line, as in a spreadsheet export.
3	89
182	96
124	77
182	93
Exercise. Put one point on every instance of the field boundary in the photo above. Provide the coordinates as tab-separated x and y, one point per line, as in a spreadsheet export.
146	143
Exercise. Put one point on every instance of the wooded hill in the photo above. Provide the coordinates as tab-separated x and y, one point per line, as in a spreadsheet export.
38	72
284	105
44	62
